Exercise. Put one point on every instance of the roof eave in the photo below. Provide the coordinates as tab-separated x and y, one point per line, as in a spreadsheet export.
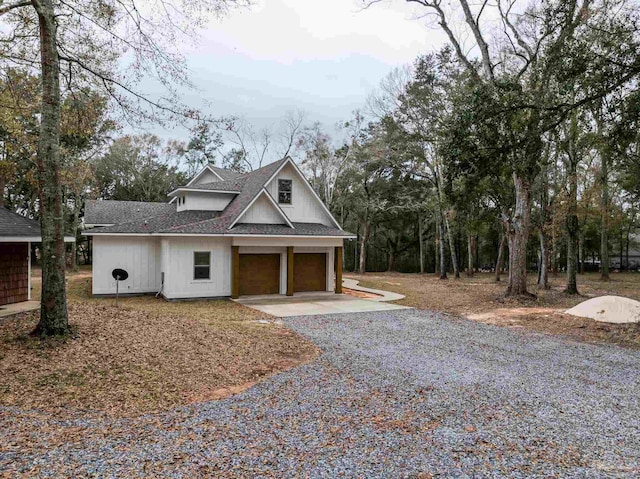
201	190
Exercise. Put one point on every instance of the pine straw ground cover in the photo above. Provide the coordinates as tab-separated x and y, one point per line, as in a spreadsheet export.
481	299
146	355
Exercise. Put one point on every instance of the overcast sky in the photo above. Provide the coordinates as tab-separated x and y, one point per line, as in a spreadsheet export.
322	56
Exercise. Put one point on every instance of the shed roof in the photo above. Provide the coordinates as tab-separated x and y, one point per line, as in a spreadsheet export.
15	226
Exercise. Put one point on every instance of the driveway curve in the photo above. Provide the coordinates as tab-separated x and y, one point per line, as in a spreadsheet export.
396	394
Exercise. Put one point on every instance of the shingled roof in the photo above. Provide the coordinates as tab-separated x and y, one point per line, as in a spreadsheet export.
13	225
233	185
224	173
248	187
111	212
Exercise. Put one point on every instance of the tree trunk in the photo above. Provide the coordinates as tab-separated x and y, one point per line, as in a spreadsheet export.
543	278
621	249
604	213
572	213
437	246
392	261
626	265
53	310
355	248
604	223
364	241
476	252
554	250
500	260
421	243
443	252
452	247
518	231
3	184
471	251
581	253
446	225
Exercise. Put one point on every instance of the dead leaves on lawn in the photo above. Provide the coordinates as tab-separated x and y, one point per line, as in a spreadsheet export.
146	356
481	299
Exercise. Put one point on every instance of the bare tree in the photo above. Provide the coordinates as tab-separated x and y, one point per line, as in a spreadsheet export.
251	148
108	45
519	59
323	160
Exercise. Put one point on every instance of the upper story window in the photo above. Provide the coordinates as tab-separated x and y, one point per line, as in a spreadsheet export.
202	265
284	192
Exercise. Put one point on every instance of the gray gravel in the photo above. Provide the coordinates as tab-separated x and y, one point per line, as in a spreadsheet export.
395	394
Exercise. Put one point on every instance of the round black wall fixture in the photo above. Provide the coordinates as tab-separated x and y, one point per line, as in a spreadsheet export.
119	274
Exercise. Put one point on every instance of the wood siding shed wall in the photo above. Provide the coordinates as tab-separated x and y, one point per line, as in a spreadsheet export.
14	273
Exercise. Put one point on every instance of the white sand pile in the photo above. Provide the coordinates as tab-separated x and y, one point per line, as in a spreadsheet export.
608	309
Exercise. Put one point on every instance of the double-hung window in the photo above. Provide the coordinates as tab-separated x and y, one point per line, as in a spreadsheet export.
284	192
202	265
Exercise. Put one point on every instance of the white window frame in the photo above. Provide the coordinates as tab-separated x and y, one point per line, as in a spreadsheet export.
195	265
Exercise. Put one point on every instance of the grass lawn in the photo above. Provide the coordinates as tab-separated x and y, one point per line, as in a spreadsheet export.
481	299
145	355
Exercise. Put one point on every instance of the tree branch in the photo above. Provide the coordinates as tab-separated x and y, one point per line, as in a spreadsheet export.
482	44
7	8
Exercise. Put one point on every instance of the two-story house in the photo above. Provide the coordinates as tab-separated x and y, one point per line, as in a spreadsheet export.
222	234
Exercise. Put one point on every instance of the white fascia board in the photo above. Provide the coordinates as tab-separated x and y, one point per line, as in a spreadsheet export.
198	190
309	187
31	239
97	225
218	235
236	235
20	239
255	198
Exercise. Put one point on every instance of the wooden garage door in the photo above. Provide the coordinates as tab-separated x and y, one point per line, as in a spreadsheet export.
259	274
309	272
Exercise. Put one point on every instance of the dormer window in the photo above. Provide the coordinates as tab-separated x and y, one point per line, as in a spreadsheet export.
284	192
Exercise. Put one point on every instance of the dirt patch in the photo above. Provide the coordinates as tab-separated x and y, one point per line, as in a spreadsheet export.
360	294
147	355
479	298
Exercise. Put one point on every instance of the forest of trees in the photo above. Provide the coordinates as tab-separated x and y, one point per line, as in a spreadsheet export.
514	148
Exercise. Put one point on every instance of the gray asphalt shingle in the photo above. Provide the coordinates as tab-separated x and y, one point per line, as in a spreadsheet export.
224	173
168	220
14	225
111	212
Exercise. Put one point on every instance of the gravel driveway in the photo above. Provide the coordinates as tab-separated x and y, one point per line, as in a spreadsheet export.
396	394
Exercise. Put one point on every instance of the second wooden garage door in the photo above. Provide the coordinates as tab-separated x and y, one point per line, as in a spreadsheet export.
309	272
259	274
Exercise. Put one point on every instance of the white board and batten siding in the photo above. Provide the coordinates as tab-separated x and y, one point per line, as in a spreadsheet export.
138	256
194	200
177	264
262	211
207	176
304	207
